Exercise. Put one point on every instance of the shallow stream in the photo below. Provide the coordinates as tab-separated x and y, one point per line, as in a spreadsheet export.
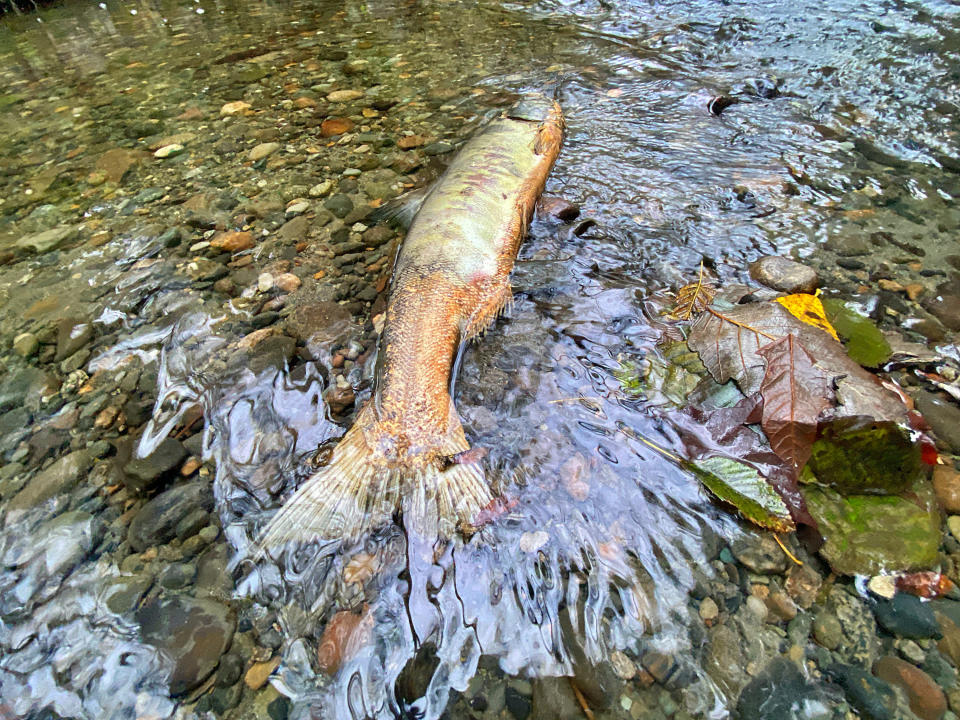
191	298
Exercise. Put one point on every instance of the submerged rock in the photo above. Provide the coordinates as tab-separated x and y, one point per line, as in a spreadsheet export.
143	473
907	616
871	697
926	700
783	274
780	692
158	520
873	534
61	476
193	632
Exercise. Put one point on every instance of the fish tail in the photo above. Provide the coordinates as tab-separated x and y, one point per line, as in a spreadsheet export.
358	491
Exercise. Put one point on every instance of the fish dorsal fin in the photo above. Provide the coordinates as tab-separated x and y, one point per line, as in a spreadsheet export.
401	210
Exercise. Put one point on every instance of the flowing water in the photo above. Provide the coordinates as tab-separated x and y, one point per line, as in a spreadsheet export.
125	325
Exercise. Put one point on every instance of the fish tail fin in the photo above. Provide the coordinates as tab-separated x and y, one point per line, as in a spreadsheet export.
357	491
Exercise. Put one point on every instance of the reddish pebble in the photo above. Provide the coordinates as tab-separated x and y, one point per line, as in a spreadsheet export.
335	126
287	282
926	699
233	241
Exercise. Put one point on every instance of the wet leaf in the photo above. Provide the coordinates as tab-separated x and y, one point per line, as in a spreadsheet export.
864	342
693	299
728	340
744	488
808	308
925	584
795	391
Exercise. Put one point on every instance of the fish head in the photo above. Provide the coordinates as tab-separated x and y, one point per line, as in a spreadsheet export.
534	107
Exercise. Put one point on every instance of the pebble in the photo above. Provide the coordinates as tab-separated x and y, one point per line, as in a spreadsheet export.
258	673
623	666
759	553
321	189
264	282
286	282
709	610
296	207
236	241
157	520
26	344
143	473
263	150
926	699
530	542
953	524
827	630
871	697
169	151
340	96
234	108
906	616
783	274
946	485
194	633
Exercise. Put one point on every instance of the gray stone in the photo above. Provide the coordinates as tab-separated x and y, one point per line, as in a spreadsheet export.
339	204
157	521
780	692
60	477
871	697
759	553
122	595
26	344
48	240
72	335
906	616
827	630
194	633
263	150
942	415
783	274
143	473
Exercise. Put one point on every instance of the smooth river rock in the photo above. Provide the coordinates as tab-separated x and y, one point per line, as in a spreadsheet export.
194	633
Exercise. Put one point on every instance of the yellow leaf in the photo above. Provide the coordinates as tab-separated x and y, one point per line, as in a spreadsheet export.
809	309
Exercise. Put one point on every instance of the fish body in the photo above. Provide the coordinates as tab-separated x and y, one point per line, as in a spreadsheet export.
450	281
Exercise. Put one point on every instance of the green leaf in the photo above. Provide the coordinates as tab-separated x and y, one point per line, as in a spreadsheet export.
745	489
865	344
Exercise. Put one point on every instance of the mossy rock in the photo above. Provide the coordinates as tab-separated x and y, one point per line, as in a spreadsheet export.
873	534
865	458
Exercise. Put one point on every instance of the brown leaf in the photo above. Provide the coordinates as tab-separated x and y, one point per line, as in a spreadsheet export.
727	340
795	391
693	299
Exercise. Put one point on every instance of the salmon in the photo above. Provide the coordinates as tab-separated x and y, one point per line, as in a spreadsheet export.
407	450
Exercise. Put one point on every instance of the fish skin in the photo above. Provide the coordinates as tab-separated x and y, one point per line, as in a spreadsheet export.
450	281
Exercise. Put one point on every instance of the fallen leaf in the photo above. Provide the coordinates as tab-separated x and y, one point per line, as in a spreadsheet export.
693	299
808	308
864	342
925	584
795	391
743	487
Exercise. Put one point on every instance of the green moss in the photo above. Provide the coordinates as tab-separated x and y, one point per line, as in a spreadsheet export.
870	534
877	458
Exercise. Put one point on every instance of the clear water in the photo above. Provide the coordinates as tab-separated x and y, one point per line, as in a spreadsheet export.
846	124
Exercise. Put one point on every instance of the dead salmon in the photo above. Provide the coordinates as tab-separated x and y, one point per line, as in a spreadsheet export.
407	450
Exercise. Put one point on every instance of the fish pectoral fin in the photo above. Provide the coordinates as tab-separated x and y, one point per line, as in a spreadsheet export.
401	210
